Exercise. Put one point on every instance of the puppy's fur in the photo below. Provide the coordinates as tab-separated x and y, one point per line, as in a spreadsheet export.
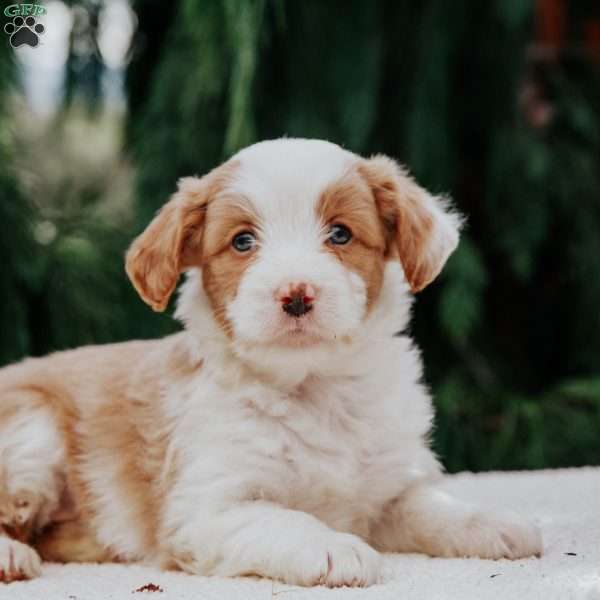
256	441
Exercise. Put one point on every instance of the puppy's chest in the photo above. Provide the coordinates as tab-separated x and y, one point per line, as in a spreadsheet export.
325	449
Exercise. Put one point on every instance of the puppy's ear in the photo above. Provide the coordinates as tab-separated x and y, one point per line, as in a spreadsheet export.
170	244
422	229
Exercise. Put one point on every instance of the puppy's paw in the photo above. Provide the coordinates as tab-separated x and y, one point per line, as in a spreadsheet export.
499	535
18	561
336	560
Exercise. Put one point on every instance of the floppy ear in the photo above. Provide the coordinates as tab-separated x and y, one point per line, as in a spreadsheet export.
422	227
170	244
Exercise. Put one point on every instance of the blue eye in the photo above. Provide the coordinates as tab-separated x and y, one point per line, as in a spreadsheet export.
244	241
339	234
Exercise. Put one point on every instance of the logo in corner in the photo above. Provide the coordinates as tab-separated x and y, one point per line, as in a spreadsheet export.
24	28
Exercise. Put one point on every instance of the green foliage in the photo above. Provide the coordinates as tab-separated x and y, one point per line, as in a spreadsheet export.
437	85
461	302
15	239
242	23
558	428
65	227
83	213
511	330
183	113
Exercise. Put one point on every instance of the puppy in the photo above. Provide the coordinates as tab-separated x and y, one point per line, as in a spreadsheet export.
284	432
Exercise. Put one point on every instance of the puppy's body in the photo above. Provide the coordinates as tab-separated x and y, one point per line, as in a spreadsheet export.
257	441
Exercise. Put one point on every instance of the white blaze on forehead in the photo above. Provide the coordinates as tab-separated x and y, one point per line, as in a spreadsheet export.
283	179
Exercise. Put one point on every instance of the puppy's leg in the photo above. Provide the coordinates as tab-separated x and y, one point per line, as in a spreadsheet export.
426	519
31	463
265	539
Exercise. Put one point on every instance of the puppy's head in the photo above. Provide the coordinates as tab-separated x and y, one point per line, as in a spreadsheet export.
292	238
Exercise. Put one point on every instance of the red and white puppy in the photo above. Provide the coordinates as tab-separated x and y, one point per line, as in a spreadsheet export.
284	432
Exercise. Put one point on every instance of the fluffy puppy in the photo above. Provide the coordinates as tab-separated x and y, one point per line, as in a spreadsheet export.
284	432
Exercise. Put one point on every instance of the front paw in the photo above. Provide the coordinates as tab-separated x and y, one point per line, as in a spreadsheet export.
335	560
498	535
17	561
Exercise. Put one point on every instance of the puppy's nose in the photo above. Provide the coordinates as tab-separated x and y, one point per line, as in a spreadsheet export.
297	298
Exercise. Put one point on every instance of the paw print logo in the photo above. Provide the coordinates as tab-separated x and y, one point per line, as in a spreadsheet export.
24	32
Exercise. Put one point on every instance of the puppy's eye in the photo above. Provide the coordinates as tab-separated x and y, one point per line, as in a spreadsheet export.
244	241
339	234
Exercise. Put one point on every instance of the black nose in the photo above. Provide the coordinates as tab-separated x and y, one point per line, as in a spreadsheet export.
297	307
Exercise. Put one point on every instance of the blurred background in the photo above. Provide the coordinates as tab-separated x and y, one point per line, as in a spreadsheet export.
496	103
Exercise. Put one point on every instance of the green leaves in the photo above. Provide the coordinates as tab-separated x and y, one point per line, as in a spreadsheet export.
446	88
243	26
511	331
461	300
513	14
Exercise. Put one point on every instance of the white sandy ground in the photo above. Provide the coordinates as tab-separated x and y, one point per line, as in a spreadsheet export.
565	503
